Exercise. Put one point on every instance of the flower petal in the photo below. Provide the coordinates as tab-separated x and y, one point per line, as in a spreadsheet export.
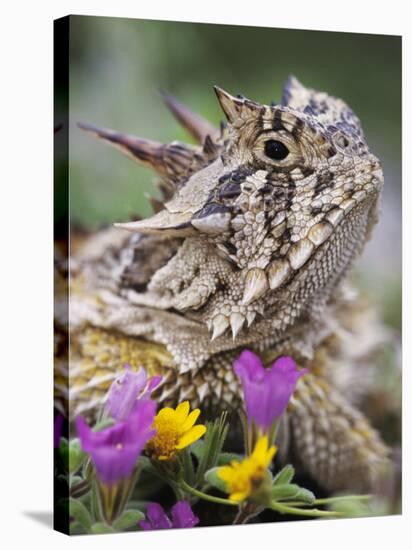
153	383
266	391
167	413
190	420
260	447
114	450
225	473
158	517
124	392
182	411
58	427
249	366
191	436
84	433
182	515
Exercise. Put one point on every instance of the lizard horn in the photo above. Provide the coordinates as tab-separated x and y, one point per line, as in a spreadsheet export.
235	107
169	160
197	126
231	105
163	223
143	151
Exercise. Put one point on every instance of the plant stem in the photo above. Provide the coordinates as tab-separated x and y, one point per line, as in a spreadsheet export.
299	504
246	513
339	499
191	490
314	512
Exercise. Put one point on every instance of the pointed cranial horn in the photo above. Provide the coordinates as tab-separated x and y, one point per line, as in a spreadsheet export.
163	223
235	107
309	101
231	105
143	151
293	90
196	125
170	160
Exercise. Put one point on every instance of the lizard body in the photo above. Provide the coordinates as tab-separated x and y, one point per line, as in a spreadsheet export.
248	248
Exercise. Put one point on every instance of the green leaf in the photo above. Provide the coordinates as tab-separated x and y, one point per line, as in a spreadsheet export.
285	475
351	508
140	505
145	462
214	480
88	469
76	529
63	453
101	528
129	518
63	445
304	495
286	491
187	465
198	449
76	456
63	477
95	503
74	480
80	513
212	446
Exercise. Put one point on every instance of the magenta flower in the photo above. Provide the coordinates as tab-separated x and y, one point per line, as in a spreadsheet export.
181	513
58	428
127	389
266	391
115	450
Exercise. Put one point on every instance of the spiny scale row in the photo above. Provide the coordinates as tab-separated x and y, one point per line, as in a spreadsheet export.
258	281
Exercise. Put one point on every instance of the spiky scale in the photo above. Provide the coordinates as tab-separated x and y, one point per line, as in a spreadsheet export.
197	126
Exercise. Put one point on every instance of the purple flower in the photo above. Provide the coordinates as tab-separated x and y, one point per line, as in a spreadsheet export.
266	391
127	389
115	450
58	428
181	512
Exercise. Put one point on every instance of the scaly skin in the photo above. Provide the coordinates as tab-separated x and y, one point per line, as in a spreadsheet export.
249	248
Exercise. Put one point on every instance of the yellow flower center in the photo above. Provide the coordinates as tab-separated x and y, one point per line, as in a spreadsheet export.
175	430
163	444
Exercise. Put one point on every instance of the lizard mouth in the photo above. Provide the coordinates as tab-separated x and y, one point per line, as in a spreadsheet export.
279	274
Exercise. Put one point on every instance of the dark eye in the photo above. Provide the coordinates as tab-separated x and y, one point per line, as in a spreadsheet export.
276	150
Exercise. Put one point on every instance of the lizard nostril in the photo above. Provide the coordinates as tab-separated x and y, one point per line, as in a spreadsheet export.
342	141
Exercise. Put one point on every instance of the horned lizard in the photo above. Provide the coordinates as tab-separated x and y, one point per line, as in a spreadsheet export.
248	248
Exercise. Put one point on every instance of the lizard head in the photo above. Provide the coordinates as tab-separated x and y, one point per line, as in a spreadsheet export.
270	209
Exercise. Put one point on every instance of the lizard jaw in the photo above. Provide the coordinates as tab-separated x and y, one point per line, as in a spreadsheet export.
276	276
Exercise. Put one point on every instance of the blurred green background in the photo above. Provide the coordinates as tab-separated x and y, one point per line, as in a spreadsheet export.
118	66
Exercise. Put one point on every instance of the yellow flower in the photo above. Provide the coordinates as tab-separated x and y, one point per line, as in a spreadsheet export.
242	478
175	430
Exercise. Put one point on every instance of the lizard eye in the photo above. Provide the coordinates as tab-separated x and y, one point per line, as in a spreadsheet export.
276	150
